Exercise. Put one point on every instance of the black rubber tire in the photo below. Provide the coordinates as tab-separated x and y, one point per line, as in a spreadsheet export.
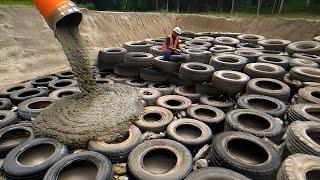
228	62
215	173
137	82
28	93
156	51
226	41
188	34
200	56
293	84
15	169
228	34
207	89
60	93
33	107
163	87
203	132
175	78
198	43
11	132
264	70
165	66
187	91
305	74
251	54
67	74
153	75
295	62
254	122
8	90
108	57
102	73
266	104
221	102
274	52
138	59
209	115
179	103
149	95
282	61
274	44
154	118
298	166
250	38
119	151
126	70
250	46
116	78
7	118
104	81
313	58
197	72
204	38
229	82
197	47
217	49
102	163
5	104
155	41
302	138
137	46
43	81
62	83
269	87
141	155
306	47
304	112
263	163
309	95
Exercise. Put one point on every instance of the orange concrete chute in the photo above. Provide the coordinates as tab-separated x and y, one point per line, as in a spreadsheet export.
59	11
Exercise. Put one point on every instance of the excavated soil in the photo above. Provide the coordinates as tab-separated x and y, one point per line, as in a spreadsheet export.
29	49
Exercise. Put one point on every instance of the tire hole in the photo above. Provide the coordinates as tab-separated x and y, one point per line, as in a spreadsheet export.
39	104
228	60
231	76
29	93
159	161
264	68
2	117
43	80
79	170
315	112
14	137
188	131
62	84
313	174
17	88
269	85
316	94
36	155
173	102
205	113
152	117
314	134
253	121
262	104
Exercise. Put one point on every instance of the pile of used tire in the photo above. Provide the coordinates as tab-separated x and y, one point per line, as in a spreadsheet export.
236	106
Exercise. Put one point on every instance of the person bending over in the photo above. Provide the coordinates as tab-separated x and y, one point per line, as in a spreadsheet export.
171	44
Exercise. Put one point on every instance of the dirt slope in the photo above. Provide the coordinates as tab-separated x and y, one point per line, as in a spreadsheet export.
29	49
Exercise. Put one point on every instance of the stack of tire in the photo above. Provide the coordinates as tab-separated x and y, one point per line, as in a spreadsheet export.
236	106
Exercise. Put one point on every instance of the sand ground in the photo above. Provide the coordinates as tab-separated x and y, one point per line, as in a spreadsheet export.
28	48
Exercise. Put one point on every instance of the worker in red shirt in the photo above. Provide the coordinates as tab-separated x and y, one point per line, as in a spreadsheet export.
171	44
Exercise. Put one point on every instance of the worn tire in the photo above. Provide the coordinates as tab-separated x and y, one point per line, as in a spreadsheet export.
165	66
126	70
226	41
28	93
251	54
204	38
309	95
60	93
66	74
207	89
5	104
156	51
274	44
313	58
217	49
200	56
250	38
215	173
295	62
136	82
305	74
304	112
137	46
119	151
33	107
8	90
228	62
108	57
138	59
187	91
264	70
7	118
250	46
62	83
197	42
306	47
42	81
282	61
197	72
174	102
163	87
149	95
117	78
153	75
221	102
209	115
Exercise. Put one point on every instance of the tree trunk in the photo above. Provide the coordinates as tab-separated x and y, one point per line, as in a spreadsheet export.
221	6
281	5
157	5
189	6
178	6
259	6
308	2
167	5
232	7
274	6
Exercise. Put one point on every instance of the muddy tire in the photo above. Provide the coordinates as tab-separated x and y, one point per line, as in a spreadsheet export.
313	58
220	102
126	70
170	168
28	93
306	47
8	90
33	107
282	61
305	74
215	173
174	102
17	132
309	95
302	137
197	72
109	57
264	70
66	74
165	66
251	54
60	93
274	44
200	56
117	78
138	59
266	104
42	81
217	49
298	166
255	159
254	122
63	83
137	83
304	112
137	46
189	132
250	38
226	41
154	119
187	91
153	75
209	115
104	81
18	163
228	61
269	87
163	88
5	104
149	95
118	152
7	118
84	159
